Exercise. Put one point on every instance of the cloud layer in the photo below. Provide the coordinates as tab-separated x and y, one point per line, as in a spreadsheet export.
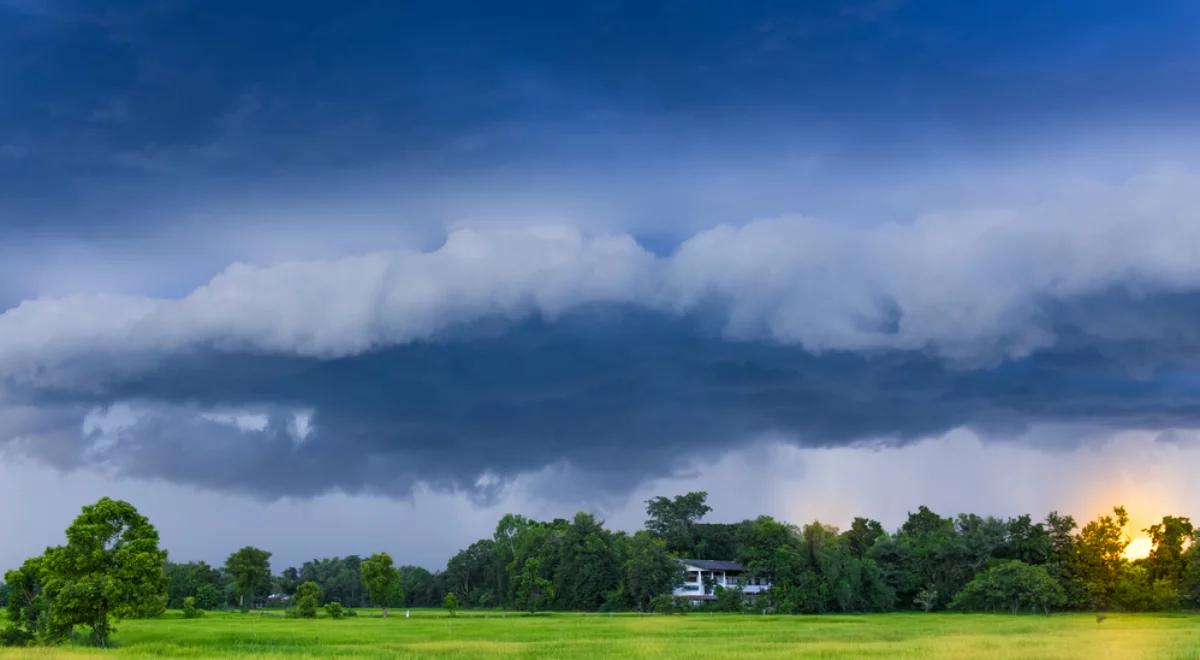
508	350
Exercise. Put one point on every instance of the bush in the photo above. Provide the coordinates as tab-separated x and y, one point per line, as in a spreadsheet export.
15	636
308	599
1011	585
450	602
190	611
208	597
349	612
663	604
334	610
614	601
729	600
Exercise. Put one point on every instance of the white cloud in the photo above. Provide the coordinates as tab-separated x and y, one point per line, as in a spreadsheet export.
970	286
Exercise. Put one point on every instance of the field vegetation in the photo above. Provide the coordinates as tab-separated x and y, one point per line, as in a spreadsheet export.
469	634
572	588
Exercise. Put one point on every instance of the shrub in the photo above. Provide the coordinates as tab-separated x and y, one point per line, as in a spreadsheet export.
729	600
334	610
1011	585
190	611
308	599
450	602
663	604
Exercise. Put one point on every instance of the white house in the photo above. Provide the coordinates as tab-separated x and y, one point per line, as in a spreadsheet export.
703	576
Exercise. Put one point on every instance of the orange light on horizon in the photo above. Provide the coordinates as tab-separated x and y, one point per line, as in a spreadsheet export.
1138	548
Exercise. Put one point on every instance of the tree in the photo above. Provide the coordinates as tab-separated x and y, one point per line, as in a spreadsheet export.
419	587
927	558
1101	550
190	579
1011	585
111	566
472	572
1170	539
1062	561
450	603
250	569
589	565
862	535
649	571
308	599
674	519
533	590
190	611
382	581
28	611
208	597
289	580
340	579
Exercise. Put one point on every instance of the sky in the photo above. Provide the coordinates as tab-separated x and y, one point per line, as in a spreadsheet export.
338	279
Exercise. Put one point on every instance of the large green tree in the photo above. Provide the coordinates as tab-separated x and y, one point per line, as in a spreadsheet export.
250	569
111	566
649	571
589	566
674	518
382	581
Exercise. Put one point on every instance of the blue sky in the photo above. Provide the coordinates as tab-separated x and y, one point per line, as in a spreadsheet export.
460	258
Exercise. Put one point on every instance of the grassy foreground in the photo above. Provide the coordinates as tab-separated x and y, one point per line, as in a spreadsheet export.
485	634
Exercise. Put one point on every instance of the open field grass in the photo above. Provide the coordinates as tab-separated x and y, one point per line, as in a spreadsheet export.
430	633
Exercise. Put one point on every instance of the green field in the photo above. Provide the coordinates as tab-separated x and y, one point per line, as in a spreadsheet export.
431	633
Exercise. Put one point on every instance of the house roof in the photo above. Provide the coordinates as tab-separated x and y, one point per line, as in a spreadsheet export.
714	564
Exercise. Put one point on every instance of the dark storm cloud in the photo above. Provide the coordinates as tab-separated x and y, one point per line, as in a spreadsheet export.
124	105
619	394
505	352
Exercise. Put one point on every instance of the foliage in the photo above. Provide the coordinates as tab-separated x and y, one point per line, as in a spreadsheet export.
190	611
307	600
334	609
340	579
533	590
250	569
589	564
1167	560
674	519
1100	549
111	566
27	606
649	571
450	603
196	579
1011	585
420	587
585	636
382	581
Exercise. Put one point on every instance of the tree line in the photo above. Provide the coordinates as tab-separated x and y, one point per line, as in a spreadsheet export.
112	567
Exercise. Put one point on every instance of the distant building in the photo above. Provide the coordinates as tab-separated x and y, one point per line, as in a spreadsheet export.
703	576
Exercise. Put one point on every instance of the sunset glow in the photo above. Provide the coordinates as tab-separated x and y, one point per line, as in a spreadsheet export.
1138	548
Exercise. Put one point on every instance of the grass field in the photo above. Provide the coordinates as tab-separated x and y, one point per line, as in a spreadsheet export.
430	633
